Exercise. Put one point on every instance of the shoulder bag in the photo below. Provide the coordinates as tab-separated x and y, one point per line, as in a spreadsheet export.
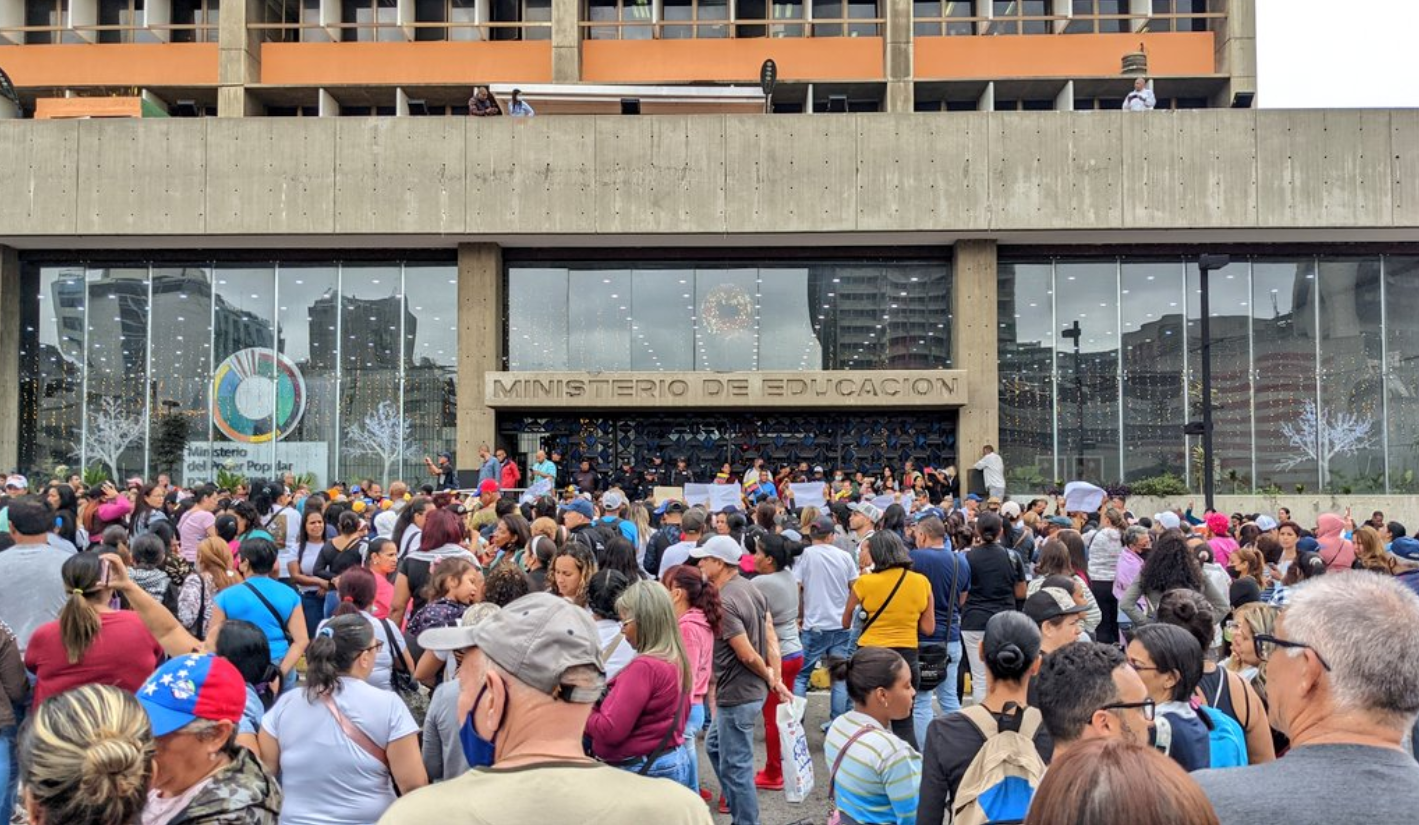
361	739
400	677
834	818
665	740
873	617
285	631
933	658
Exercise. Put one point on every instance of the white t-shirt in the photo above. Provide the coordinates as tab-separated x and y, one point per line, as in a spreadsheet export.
384	657
624	652
384	521
826	573
288	542
992	468
328	779
675	554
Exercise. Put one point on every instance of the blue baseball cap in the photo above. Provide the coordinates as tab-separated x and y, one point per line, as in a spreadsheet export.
579	505
926	513
199	686
973	497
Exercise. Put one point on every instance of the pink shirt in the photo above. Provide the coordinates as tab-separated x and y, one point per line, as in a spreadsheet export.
1222	549
699	648
191	530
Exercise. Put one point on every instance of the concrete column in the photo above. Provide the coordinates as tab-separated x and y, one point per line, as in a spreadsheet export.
10	300
566	41
974	349
480	344
239	58
1236	48
898	58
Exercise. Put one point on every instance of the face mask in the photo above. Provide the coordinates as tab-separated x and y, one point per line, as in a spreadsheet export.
478	751
1234	573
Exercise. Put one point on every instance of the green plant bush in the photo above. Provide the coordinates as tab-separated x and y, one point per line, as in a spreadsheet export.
1160	486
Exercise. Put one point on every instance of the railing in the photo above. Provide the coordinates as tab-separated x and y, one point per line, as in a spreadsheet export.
724	29
201	32
385	31
1060	24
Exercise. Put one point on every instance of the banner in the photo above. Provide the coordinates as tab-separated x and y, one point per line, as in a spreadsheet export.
540	487
266	460
809	494
664	494
723	496
698	494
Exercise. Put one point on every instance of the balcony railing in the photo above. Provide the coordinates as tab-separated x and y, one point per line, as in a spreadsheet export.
389	31
1062	24
723	29
128	33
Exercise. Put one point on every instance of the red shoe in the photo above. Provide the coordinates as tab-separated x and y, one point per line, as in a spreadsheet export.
723	806
762	781
707	795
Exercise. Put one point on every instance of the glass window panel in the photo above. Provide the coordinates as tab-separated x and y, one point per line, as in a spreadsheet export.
538	319
117	360
307	328
660	303
537	11
677	11
1284	364
828	10
1402	382
922	10
57	355
372	316
1088	383
1230	304
181	363
430	375
1351	384
1114	7
727	319
245	385
1026	344
1153	358
601	332
1034	8
789	324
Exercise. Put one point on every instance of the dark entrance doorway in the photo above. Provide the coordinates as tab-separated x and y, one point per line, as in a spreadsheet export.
864	442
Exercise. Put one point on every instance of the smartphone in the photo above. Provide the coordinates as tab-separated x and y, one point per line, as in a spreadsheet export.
105	568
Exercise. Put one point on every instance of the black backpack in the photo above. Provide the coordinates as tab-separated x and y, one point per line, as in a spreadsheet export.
594	538
655	548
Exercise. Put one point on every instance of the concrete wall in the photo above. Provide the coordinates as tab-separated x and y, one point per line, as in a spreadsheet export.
480	345
10	302
981	174
975	348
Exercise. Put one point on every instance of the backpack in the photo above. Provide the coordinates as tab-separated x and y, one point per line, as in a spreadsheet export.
1227	740
594	538
1002	777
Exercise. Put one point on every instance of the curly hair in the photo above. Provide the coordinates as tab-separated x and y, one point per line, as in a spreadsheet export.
1169	566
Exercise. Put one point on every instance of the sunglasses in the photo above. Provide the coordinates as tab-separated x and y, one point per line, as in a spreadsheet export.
1148	706
1265	643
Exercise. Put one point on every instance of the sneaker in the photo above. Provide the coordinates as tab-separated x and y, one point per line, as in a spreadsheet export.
723	806
707	795
763	782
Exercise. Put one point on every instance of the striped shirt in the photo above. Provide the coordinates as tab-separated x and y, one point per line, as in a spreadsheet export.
879	779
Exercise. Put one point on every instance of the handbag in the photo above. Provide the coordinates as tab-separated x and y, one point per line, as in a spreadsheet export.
878	612
835	817
402	681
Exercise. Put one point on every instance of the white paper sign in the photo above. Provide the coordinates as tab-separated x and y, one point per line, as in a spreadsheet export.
724	495
539	488
202	459
809	494
698	494
883	502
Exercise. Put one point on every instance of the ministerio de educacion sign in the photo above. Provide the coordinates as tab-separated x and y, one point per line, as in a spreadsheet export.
720	390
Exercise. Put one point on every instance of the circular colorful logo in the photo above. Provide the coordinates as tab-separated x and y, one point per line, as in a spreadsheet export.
257	393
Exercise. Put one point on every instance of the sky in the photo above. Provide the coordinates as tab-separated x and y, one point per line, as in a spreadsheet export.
1337	54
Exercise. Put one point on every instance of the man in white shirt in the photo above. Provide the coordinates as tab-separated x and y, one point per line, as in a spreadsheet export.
993	468
692	527
824	574
1141	99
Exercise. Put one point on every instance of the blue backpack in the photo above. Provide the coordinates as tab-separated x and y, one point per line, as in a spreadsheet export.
1226	739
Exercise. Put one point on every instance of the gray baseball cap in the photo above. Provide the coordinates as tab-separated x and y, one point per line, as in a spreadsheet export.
538	638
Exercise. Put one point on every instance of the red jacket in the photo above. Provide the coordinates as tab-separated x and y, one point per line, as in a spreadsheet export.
511	475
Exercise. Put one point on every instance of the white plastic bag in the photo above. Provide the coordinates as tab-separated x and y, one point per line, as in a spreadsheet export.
797	760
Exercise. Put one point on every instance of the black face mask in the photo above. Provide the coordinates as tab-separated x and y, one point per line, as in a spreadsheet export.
1234	573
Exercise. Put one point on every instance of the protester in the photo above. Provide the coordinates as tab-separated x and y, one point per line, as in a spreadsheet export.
340	742
602	593
1169	565
301	569
992	471
825	575
199	521
1169	660
14	691
442	742
692	528
1057	613
198	595
875	776
439	540
1089	691
356	592
746	668
91	642
527	684
1103	550
572	570
86	758
201	774
1347	696
773	560
1055	560
455	583
996	582
341	552
639	724
698	613
245	646
1336	550
266	603
1110	781
31	578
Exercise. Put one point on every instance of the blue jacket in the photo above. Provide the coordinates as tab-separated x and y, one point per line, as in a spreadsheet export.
1405	547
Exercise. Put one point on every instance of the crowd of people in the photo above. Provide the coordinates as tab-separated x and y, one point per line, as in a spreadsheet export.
580	651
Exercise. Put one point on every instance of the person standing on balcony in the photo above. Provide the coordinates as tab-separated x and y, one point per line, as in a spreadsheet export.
1141	99
518	107
483	104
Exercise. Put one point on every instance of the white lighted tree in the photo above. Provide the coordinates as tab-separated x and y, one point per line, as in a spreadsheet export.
1319	437
383	436
110	431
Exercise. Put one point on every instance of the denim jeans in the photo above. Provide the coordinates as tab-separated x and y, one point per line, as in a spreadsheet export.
313	606
970	640
945	696
671	765
816	645
9	772
693	727
730	747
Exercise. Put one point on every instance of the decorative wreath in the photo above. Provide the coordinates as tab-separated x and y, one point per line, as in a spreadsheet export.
727	309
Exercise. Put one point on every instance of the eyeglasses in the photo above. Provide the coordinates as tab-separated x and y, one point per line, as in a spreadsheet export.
625	622
1133	663
378	643
1147	706
1264	642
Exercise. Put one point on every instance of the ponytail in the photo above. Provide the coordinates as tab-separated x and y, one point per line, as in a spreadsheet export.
79	621
357	591
333	652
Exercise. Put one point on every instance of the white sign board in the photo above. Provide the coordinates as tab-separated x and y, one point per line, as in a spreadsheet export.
809	494
725	495
202	459
697	494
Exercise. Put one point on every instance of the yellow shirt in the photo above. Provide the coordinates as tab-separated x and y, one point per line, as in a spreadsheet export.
897	626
